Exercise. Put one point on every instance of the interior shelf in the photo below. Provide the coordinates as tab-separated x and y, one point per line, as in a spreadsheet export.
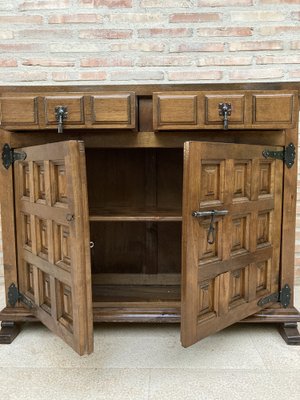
135	215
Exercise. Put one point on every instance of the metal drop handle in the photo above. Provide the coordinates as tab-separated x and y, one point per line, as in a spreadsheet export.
61	113
225	111
211	233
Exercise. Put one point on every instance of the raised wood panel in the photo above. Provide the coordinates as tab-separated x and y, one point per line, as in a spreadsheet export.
212	116
223	280
75	109
175	111
19	111
273	109
52	239
114	110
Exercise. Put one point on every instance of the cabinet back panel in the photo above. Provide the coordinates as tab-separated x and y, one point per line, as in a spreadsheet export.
136	247
134	179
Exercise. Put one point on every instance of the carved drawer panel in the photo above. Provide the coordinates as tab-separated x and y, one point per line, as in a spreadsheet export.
74	105
175	111
273	109
113	110
213	106
18	111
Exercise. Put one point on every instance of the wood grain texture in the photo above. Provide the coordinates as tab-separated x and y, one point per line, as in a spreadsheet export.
53	239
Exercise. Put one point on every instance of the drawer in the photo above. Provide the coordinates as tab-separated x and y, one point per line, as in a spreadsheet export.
213	102
16	112
175	111
273	109
113	110
74	106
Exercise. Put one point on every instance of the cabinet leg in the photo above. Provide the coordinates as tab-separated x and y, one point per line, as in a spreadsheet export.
289	332
9	331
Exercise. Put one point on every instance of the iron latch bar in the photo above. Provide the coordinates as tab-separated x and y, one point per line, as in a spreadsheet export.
287	155
211	233
283	297
14	296
9	156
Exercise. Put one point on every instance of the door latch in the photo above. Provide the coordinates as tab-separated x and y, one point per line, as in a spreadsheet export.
211	233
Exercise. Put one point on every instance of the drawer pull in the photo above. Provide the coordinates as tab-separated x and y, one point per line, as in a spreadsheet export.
211	233
61	113
225	112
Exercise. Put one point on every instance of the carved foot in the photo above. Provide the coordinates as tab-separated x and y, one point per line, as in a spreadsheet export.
289	332
9	331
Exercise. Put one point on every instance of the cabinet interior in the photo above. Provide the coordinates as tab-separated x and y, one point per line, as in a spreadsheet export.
135	212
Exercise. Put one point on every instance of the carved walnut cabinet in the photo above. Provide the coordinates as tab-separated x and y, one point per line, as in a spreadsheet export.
148	203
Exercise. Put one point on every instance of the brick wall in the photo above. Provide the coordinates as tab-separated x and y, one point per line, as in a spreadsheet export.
66	41
122	41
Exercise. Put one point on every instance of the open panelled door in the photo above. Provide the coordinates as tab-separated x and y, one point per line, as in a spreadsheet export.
231	256
53	240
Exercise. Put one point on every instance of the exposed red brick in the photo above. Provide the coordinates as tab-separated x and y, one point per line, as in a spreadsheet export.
138	46
254	74
113	3
195	17
105	34
256	45
75	76
22	47
194	75
106	62
224	3
8	63
137	75
225	61
286	59
225	31
75	19
165	32
295	45
196	46
21	19
152	61
48	62
44	5
294	74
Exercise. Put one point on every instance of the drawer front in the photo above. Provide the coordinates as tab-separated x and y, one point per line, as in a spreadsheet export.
74	105
213	103
114	110
175	111
18	111
273	109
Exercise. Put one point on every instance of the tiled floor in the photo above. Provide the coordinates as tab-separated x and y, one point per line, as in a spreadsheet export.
139	362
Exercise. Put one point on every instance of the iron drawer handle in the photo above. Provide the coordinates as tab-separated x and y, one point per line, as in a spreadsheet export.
61	113
211	233
225	111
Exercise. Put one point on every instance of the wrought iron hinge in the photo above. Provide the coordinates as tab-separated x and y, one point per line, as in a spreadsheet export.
9	156
14	296
283	297
288	155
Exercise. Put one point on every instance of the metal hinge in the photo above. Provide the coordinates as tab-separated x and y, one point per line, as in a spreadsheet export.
9	156
288	155
14	296
283	297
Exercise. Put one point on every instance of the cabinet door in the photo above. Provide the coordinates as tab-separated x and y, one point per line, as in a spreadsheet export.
53	240
222	281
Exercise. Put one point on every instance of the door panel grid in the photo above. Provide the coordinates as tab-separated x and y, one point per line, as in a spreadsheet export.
223	281
53	261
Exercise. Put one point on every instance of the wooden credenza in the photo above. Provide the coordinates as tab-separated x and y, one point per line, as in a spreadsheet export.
148	203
